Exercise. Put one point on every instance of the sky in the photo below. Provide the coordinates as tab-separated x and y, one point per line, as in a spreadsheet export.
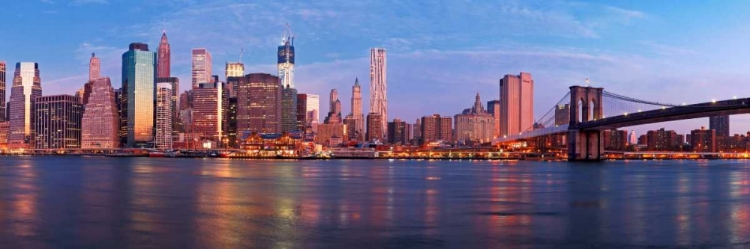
440	53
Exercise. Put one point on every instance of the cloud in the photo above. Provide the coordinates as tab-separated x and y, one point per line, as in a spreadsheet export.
666	49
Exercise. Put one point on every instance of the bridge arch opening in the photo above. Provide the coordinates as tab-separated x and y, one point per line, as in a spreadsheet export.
592	107
580	110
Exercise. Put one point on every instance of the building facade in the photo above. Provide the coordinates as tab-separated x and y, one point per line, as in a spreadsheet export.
100	122
164	69
285	59
3	115
703	140
27	87
301	111
516	103
209	103
661	140
234	69
174	101
289	109
493	108
138	84
374	130
357	115
435	128
259	104
397	132
475	126
94	67
58	122
202	69
378	87
164	116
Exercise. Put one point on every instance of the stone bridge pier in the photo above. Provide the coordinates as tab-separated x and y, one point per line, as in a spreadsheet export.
585	105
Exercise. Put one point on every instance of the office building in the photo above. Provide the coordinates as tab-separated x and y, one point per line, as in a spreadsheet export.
231	133
164	116
289	109
562	114
703	140
435	128
334	108
27	87
3	115
379	86
209	103
516	103
202	69
476	125
138	84
493	108
4	135
174	101
100	122
397	132
331	134
357	115
234	69
285	59
58	122
164	69
302	111
259	104
351	126
374	129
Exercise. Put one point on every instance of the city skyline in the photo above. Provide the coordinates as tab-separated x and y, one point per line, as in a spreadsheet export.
585	46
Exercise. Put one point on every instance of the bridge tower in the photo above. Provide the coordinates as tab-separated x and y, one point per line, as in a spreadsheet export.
585	145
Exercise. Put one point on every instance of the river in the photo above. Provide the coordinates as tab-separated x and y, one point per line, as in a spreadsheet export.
63	202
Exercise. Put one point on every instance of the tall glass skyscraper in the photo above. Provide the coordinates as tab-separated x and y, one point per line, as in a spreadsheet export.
27	86
2	91
288	109
285	63
202	68
138	78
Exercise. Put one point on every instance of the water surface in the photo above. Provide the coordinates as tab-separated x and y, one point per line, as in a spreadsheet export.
54	202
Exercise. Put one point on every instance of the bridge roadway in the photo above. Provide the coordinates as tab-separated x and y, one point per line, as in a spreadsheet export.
700	110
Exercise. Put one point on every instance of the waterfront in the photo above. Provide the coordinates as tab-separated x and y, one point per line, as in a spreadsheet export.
221	203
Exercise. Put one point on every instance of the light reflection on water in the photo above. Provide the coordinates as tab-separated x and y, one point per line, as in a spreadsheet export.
142	202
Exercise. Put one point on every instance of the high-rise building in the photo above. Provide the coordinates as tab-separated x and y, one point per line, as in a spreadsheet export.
288	109
231	118
562	114
121	110
351	125
417	134
100	122
357	115
174	82
436	128
615	139
164	116
234	69
378	87
721	125
661	140
4	135
285	62
493	108
703	140
516	104
58	122
313	111
201	66
3	115
138	84
209	103
259	104
374	130
633	139
27	87
334	108
331	134
94	67
301	111
397	132
164	69
475	126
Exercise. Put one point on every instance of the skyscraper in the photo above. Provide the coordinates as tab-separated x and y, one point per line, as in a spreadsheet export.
138	81
27	87
175	101
378	87
357	115
434	128
493	108
285	62
209	103
288	109
164	116
94	67
259	104
397	132
201	66
720	124
58	122
2	92
164	62
334	108
475	126
516	103
100	122
301	111
235	69
313	110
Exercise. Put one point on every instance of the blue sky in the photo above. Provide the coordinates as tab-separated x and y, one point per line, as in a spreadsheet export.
440	53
